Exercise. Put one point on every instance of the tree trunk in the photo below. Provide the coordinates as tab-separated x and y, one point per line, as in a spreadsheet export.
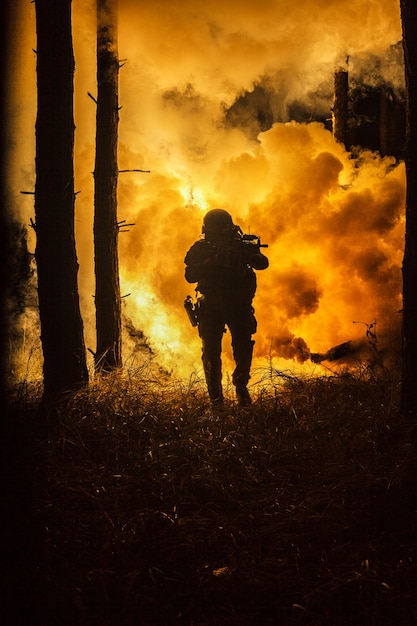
409	373
61	324
107	298
340	110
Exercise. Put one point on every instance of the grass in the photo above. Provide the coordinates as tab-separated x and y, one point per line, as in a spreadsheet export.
146	507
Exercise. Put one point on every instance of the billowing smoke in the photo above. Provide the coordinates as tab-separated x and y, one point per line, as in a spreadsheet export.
230	105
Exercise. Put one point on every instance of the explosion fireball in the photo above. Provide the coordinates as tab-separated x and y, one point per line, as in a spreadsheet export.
208	94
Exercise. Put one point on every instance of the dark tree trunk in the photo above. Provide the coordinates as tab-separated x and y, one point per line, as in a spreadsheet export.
340	110
61	324
409	374
108	308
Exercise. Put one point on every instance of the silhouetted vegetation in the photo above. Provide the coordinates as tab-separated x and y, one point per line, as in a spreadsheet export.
146	507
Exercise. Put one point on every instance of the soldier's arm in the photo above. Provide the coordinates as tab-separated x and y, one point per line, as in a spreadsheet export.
196	264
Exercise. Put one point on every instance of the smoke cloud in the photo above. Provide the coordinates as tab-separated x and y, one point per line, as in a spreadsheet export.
228	106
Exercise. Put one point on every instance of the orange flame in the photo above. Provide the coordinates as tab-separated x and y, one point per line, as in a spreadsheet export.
334	223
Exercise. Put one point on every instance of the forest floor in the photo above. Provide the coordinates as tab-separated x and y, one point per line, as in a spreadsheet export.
136	504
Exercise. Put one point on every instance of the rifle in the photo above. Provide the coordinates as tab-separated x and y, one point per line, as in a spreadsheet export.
253	240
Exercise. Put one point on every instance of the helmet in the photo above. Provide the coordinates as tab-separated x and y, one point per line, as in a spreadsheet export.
217	222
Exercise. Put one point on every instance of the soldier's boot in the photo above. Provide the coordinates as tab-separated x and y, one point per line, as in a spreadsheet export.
216	396
243	395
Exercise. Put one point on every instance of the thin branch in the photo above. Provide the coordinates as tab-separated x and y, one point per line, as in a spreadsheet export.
144	171
124	226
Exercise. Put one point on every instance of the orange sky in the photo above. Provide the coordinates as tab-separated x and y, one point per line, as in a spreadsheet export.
334	224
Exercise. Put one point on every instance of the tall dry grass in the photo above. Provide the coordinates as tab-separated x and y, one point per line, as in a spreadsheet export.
146	507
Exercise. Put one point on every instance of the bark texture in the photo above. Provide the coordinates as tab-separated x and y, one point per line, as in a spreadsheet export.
409	373
340	111
61	324
107	297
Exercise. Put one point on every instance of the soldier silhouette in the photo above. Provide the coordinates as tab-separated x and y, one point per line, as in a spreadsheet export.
221	262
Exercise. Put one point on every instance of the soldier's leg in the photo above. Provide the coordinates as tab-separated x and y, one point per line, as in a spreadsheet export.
211	331
242	326
242	352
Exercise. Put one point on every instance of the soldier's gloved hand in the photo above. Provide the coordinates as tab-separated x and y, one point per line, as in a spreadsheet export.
258	261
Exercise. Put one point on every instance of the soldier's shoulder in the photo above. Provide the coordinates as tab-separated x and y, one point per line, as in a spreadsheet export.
199	245
196	249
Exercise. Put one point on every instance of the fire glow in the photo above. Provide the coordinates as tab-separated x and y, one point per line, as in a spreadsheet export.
334	221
